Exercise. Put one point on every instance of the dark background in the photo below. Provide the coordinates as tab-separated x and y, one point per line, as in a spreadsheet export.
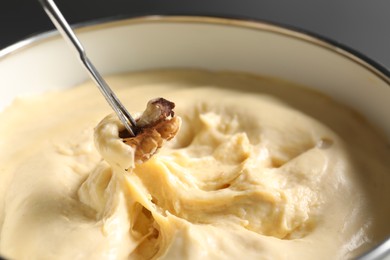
363	25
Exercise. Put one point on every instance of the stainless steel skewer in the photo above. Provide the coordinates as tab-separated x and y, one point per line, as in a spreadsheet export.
66	31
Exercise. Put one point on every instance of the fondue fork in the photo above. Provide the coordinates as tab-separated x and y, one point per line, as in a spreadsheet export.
67	33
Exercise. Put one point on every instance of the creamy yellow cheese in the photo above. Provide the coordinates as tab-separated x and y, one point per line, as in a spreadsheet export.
261	169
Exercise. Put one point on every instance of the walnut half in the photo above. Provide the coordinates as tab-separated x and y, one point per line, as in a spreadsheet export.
155	126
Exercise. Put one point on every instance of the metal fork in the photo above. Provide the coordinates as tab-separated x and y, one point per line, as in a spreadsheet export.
66	31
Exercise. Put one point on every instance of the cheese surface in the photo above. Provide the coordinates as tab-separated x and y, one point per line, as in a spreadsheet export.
260	169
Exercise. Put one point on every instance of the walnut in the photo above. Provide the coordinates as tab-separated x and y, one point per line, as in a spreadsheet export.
155	126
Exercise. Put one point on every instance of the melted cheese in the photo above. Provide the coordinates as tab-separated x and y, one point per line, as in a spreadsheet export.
260	169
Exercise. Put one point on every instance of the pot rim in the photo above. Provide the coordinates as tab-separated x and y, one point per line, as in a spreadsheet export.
256	24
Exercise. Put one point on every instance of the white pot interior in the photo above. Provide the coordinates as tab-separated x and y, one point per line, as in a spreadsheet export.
209	43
